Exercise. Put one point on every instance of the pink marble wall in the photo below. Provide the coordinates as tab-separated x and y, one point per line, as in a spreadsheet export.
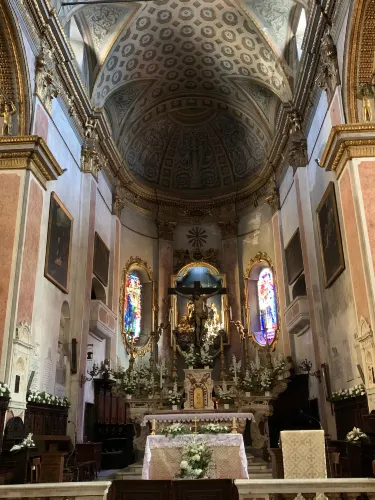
353	246
116	271
9	194
366	171
30	253
230	266
335	112
279	268
41	123
165	271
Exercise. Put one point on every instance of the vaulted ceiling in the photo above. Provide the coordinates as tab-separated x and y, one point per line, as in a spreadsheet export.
191	88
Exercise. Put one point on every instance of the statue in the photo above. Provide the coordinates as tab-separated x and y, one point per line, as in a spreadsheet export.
365	94
7	113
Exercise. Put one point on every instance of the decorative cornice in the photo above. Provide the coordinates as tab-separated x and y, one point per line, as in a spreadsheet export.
346	142
30	153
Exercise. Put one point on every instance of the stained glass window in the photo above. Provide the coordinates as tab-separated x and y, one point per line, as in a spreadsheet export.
267	306
133	305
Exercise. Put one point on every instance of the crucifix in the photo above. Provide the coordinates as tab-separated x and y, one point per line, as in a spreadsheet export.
197	306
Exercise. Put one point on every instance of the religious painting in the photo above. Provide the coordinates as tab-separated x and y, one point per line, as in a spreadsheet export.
267	307
330	236
101	260
59	241
133	305
293	258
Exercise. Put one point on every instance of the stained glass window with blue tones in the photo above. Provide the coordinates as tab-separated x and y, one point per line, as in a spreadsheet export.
133	305
267	306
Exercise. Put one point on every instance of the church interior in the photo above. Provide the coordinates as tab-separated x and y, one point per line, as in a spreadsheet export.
187	242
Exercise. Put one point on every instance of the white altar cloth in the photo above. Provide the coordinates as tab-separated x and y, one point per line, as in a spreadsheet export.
228	464
201	417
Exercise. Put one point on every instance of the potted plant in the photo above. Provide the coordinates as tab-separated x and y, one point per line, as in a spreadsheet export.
206	358
196	460
149	386
174	400
128	385
266	381
190	357
247	384
279	367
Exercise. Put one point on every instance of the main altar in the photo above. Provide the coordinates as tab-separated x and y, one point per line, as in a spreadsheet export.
196	385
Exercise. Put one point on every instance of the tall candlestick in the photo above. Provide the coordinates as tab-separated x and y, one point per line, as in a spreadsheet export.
234	425
153	427
230	312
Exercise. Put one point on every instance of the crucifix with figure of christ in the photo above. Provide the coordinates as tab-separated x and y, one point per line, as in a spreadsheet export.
197	307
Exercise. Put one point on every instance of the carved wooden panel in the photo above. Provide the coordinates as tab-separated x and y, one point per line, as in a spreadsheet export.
140	490
209	489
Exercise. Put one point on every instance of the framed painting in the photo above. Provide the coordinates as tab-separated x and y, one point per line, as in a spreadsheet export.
293	257
332	254
59	242
101	260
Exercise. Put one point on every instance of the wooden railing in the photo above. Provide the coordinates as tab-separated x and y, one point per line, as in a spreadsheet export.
96	490
305	489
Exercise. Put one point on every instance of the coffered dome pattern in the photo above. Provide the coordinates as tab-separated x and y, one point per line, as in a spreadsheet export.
191	89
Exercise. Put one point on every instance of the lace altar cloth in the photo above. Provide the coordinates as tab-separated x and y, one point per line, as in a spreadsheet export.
201	417
163	456
304	455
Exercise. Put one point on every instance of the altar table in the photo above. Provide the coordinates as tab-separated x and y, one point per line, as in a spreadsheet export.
163	456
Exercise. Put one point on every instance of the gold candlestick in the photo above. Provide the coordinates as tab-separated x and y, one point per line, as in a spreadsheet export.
153	427
234	425
222	357
174	358
195	425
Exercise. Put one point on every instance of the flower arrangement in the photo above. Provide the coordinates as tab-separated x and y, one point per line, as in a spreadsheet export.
26	443
205	357
225	396
175	430
248	382
174	398
128	383
149	385
4	390
190	356
358	390
235	368
357	436
196	459
279	366
44	398
266	379
213	429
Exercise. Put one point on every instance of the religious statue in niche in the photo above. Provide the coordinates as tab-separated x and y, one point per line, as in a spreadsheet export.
7	113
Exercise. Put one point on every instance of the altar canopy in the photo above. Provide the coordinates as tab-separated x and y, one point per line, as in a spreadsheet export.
163	456
304	455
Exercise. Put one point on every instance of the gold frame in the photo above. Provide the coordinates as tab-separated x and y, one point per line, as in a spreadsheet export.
215	271
71	218
329	192
138	263
258	259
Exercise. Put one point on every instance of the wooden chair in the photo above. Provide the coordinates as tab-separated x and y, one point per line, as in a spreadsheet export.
35	470
335	464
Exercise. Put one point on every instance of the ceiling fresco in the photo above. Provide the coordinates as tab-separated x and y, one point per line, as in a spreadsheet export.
191	88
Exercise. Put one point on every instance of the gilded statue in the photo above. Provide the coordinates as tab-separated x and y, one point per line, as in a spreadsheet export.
365	94
8	111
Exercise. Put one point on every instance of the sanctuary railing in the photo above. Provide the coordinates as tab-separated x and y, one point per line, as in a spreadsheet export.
96	490
305	489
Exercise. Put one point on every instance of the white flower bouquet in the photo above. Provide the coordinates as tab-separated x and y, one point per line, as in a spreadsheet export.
196	460
279	366
26	443
175	430
248	383
190	356
357	436
206	358
4	390
213	429
44	398
149	385
173	398
353	392
128	383
266	379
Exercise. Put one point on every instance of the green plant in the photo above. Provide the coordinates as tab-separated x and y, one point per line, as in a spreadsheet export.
196	459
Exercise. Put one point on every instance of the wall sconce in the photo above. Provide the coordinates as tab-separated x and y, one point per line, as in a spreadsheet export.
306	366
103	369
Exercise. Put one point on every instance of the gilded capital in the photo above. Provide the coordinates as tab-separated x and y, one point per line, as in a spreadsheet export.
165	229
328	77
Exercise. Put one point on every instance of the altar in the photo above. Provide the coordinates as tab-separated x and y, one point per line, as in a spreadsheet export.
163	456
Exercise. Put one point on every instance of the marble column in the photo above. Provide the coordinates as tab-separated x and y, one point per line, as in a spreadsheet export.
165	234
26	165
229	231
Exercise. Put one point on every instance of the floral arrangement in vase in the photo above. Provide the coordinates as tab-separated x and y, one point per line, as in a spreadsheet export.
206	358
174	398
190	357
196	460
235	369
248	383
149	385
174	430
266	381
279	367
357	436
225	396
4	390
353	392
213	429
26	443
128	384
44	398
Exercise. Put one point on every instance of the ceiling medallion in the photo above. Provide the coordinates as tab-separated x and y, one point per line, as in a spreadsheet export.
197	237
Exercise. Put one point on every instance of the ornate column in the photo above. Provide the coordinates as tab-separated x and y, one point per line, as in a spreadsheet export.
350	153
165	234
229	231
26	165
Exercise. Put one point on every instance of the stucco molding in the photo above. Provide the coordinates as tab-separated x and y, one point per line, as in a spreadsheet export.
29	153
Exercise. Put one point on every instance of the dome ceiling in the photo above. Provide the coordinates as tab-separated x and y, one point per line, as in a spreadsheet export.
191	88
